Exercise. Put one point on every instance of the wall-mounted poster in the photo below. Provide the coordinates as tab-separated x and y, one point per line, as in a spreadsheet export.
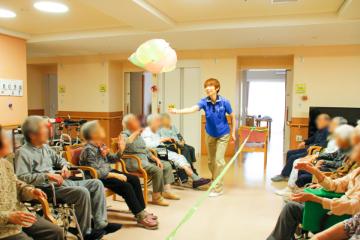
300	88
11	87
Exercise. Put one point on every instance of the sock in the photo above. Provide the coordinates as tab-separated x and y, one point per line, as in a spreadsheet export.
167	188
141	215
195	177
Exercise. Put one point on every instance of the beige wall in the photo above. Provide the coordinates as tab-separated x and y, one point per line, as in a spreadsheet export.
13	66
82	82
225	70
35	76
116	86
331	81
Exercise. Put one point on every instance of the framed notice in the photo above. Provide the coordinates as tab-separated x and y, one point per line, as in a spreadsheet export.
11	87
300	88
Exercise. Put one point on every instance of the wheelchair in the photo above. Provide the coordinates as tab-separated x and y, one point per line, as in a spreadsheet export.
56	211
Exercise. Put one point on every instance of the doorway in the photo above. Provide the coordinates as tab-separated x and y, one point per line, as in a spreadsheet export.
51	95
266	96
137	93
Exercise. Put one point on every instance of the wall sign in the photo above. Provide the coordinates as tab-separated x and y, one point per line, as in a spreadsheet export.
62	89
102	88
11	88
300	88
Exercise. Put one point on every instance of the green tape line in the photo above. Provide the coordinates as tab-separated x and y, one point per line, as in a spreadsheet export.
204	196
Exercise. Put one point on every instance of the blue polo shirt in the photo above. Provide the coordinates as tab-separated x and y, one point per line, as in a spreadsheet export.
216	122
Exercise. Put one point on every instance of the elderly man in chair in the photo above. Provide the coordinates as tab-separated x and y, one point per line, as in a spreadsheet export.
16	222
36	163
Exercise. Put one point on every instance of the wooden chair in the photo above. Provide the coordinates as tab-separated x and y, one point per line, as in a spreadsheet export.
257	142
72	155
141	173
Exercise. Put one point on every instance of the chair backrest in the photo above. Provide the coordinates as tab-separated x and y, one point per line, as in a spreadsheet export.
73	153
259	135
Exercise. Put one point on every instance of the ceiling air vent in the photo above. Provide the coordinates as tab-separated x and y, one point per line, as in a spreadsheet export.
283	1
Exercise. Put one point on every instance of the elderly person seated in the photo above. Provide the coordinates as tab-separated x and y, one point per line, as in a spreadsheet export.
159	171
36	163
153	140
16	222
168	130
318	139
96	155
330	148
349	203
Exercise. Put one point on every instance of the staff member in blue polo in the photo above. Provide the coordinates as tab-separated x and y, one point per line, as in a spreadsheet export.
217	128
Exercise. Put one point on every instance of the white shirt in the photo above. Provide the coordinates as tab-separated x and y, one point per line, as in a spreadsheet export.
152	140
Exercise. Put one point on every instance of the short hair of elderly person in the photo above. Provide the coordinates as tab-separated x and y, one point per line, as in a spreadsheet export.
159	171
13	215
36	163
319	138
154	140
96	155
349	204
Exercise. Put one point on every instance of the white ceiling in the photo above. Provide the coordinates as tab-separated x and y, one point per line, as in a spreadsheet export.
119	26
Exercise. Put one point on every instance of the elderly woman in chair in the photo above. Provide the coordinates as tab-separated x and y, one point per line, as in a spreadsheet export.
96	155
348	204
15	221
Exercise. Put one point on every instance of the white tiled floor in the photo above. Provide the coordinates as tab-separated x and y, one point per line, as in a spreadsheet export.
247	210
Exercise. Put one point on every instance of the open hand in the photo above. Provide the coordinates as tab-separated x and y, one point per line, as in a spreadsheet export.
121	143
58	179
306	166
302	197
22	218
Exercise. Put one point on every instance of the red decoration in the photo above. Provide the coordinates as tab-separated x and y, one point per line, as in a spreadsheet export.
154	88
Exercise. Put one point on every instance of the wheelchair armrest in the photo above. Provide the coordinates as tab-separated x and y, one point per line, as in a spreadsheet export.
46	210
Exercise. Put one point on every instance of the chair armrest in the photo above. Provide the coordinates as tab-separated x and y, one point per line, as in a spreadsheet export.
134	157
91	170
154	152
312	149
121	164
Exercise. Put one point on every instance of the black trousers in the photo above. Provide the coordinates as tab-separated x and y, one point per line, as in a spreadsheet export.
130	190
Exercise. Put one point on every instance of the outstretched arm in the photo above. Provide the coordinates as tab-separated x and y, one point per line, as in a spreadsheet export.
192	109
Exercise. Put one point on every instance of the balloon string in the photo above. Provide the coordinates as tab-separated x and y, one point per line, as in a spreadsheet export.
204	196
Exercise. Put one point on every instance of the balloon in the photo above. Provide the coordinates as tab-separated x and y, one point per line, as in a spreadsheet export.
154	67
155	56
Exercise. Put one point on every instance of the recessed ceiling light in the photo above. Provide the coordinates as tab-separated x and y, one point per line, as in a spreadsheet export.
5	13
52	7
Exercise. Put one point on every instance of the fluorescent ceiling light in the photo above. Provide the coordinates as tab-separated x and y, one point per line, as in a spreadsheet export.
5	13
52	7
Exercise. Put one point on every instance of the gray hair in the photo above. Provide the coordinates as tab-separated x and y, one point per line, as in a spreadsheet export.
344	131
126	120
340	120
165	115
151	118
30	126
88	128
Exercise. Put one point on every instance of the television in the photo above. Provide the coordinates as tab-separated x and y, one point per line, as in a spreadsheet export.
351	114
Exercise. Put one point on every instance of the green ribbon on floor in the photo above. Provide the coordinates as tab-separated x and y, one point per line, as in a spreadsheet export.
204	196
